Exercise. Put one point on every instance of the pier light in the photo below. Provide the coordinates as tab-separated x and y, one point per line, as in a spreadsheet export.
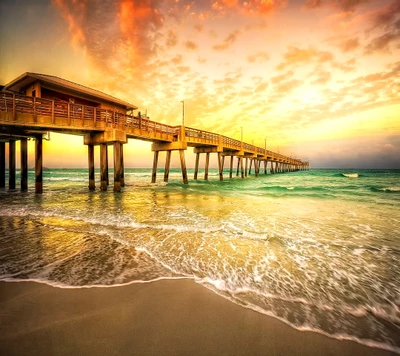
183	112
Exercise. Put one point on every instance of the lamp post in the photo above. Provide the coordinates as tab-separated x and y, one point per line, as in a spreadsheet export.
183	112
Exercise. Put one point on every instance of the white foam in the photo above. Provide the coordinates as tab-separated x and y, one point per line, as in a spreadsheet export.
351	175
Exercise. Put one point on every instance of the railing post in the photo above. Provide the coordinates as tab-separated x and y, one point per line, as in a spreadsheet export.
14	108
52	112
34	110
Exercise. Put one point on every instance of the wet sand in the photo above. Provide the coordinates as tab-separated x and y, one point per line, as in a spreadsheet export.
169	317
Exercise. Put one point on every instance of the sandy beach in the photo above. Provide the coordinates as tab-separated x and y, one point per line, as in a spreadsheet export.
168	317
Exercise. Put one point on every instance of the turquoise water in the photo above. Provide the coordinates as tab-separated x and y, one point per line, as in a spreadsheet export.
318	249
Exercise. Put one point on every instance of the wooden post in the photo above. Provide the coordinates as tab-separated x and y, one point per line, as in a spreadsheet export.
196	166
52	112
24	164
103	166
167	165
265	167
256	168
231	168
39	165
220	167
272	168
117	166
14	108
207	164
237	171
2	164
11	164
92	185
108	176
251	162
122	166
241	166
154	171
183	166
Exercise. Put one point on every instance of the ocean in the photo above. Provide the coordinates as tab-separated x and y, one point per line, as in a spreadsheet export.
318	249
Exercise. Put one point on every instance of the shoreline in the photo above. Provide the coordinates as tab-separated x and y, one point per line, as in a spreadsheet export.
164	317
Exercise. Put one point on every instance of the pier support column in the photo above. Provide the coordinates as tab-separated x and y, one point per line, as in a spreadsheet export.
39	165
272	168
92	184
207	164
220	167
251	162
122	166
256	167
196	166
103	166
231	167
2	164
11	164
24	164
154	171
108	176
117	166
238	164
183	166
167	165
241	166
245	170
265	167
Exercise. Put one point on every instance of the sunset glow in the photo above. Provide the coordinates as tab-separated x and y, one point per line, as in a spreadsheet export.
319	79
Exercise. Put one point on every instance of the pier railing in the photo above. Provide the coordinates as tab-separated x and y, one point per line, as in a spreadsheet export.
48	113
76	115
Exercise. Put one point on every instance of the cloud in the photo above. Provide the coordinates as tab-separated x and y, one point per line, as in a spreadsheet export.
349	45
172	39
386	19
344	5
122	31
229	40
295	56
258	57
190	45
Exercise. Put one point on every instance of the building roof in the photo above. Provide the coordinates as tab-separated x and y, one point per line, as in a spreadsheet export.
60	83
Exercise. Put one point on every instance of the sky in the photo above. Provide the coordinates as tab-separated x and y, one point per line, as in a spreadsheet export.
315	79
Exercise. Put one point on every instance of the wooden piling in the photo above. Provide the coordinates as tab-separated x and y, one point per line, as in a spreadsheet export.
231	167
167	165
108	176
2	164
196	167
103	166
39	165
265	167
247	164
251	162
220	167
183	166
92	183
117	166
154	171
11	164
238	164
256	168
207	165
24	164
122	166
241	166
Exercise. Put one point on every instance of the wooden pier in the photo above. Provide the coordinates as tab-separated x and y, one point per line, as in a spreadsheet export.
25	117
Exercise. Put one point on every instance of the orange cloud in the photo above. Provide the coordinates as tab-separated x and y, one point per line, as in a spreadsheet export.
296	55
258	57
190	45
344	5
232	37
